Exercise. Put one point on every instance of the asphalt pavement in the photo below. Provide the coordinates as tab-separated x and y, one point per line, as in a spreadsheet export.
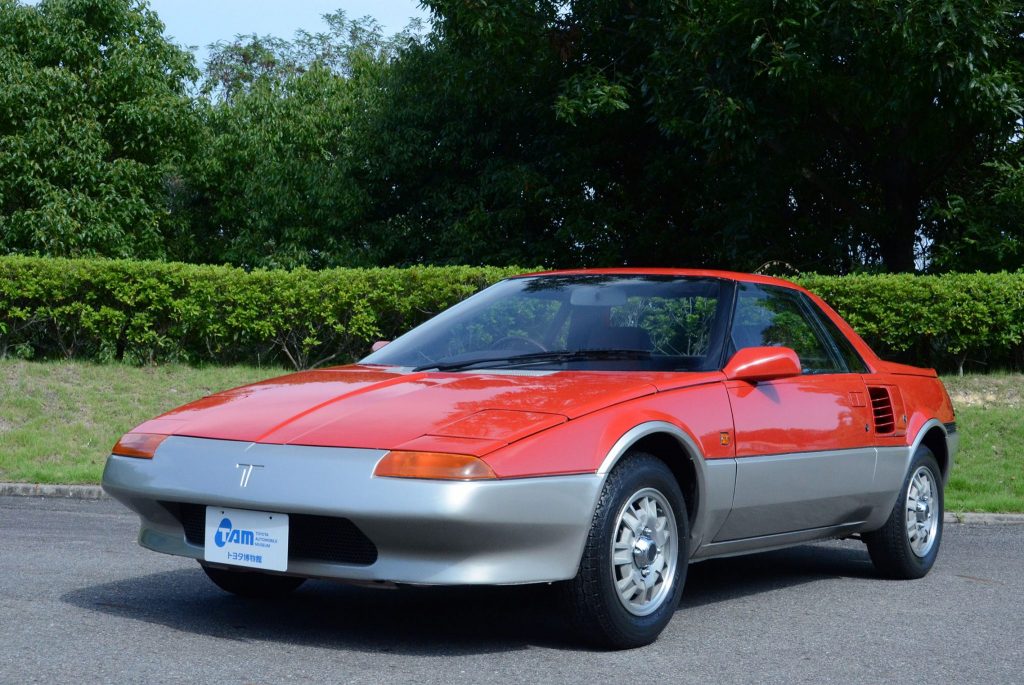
81	602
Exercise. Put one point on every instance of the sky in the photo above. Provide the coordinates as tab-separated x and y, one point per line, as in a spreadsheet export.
201	22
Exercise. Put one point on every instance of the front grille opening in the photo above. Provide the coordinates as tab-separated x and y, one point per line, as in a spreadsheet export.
193	520
310	538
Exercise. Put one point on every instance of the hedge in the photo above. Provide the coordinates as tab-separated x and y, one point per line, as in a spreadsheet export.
157	311
948	321
154	311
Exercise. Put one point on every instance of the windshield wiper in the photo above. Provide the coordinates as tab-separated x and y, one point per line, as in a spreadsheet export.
538	358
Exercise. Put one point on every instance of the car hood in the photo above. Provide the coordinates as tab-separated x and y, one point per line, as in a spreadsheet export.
387	408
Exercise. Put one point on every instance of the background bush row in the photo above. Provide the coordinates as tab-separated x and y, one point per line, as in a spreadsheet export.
154	311
949	322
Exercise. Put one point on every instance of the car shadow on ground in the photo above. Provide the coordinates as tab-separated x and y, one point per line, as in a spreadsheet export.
719	580
430	621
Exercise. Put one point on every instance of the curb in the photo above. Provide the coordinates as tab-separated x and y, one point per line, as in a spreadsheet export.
96	492
45	490
985	519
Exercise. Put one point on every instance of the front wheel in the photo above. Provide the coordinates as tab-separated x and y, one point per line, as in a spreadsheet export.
252	584
634	564
907	545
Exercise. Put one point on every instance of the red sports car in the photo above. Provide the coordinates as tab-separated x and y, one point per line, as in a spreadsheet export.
596	429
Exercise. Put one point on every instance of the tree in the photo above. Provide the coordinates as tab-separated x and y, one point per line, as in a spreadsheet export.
982	220
475	162
827	134
94	124
281	182
880	111
834	135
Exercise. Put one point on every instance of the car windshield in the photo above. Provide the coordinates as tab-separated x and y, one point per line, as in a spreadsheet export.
593	322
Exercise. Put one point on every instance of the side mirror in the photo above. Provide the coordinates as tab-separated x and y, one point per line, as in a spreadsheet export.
379	344
755	364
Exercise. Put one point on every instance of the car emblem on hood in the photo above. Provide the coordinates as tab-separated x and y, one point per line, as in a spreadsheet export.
247	470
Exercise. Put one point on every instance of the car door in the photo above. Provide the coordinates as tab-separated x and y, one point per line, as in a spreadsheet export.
804	449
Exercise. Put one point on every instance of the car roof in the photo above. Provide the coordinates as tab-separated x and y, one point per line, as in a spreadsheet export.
693	273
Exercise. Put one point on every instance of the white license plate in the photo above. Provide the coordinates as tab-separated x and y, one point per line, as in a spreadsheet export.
247	538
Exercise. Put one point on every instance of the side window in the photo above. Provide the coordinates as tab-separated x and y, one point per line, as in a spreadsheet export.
768	317
853	361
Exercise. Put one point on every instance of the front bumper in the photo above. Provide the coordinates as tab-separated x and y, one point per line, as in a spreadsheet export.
525	530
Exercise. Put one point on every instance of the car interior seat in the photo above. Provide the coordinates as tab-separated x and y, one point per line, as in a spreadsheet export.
620	338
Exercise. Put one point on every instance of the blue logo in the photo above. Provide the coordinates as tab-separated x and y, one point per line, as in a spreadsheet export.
237	536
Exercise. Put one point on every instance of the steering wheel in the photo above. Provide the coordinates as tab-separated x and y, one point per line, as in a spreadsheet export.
517	342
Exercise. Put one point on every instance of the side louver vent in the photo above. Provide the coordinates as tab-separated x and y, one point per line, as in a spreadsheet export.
881	408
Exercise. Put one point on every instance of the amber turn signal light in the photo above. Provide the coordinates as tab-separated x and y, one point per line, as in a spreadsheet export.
142	445
433	466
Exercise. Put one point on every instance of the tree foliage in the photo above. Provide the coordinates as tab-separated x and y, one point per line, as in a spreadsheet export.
868	115
833	135
282	182
94	124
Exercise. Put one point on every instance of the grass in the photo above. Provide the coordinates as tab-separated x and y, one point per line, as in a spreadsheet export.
58	421
989	471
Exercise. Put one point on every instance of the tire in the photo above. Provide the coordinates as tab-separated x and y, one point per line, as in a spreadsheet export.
635	616
252	584
907	545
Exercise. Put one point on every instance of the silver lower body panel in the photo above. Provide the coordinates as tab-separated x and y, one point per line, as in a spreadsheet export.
784	500
426	532
765	543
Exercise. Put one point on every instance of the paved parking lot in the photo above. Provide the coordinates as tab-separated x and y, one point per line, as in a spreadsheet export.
80	601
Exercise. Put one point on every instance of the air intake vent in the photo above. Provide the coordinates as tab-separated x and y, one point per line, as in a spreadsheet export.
881	408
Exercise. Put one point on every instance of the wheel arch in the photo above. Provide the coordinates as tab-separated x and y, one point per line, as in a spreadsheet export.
683	456
933	435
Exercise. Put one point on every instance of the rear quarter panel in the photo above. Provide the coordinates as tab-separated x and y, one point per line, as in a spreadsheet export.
923	398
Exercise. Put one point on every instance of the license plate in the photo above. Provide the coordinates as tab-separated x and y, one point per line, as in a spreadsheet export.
247	538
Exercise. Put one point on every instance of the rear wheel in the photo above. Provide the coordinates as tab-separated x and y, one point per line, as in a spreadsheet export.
634	564
907	545
252	584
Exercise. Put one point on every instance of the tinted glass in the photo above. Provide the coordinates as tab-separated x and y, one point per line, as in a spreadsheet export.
666	323
769	317
853	361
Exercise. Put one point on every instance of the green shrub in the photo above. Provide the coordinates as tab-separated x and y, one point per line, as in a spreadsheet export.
155	311
946	321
